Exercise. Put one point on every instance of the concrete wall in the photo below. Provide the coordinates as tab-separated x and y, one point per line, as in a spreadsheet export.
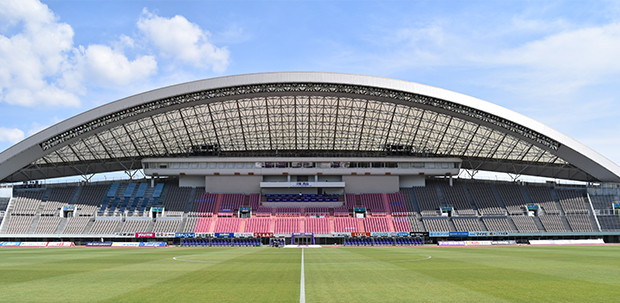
191	181
370	184
411	181
233	184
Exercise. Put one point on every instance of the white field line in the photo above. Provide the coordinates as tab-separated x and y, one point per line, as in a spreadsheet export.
302	286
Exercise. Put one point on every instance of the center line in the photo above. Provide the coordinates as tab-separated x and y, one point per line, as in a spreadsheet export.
302	287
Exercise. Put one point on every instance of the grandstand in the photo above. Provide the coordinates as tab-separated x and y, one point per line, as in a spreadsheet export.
334	155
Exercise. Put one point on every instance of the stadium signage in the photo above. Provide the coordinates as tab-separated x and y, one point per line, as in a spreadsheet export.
166	235
380	234
263	235
185	235
617	205
157	209
532	207
10	243
360	234
340	235
145	235
509	242
126	244
244	235
359	209
33	244
224	235
68	208
302	234
458	234
402	234
152	244
93	244
451	243
59	244
488	233
485	243
302	184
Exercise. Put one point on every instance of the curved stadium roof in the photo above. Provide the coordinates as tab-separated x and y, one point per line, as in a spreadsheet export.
302	114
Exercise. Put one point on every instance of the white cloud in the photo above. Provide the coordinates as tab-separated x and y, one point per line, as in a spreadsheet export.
182	40
577	57
12	135
110	67
32	60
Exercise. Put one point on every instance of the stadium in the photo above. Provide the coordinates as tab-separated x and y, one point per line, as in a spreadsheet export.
304	159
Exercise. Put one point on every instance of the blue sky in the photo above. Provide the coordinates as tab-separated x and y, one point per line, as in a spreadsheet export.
555	61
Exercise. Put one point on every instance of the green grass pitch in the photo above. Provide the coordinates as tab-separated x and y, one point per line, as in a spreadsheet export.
364	274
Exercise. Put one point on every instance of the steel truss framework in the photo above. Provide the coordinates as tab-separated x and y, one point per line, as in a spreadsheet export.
299	119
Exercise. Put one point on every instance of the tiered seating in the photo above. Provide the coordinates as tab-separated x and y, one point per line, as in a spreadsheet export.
467	224
203	225
27	202
553	223
205	205
104	227
513	198
456	197
263	212
408	200
317	211
604	202
416	225
176	199
166	226
401	224
190	225
525	224
346	225
47	225
76	225
374	203
288	211
374	224
580	223
437	225
136	225
397	204
317	225
484	198
59	197
287	225
609	223
18	224
254	201
227	225
253	225
230	203
343	211
497	224
573	201
541	195
89	199
428	200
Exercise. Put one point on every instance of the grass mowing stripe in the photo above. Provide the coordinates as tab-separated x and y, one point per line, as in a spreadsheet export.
302	286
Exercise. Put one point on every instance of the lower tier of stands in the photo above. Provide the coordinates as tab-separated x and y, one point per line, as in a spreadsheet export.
317	225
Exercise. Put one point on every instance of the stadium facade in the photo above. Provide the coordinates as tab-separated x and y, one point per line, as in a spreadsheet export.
320	153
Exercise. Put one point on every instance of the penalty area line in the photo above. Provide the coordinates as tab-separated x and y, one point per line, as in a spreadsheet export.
302	286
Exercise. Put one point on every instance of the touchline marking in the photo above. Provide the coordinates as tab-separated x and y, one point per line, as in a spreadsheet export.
302	287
